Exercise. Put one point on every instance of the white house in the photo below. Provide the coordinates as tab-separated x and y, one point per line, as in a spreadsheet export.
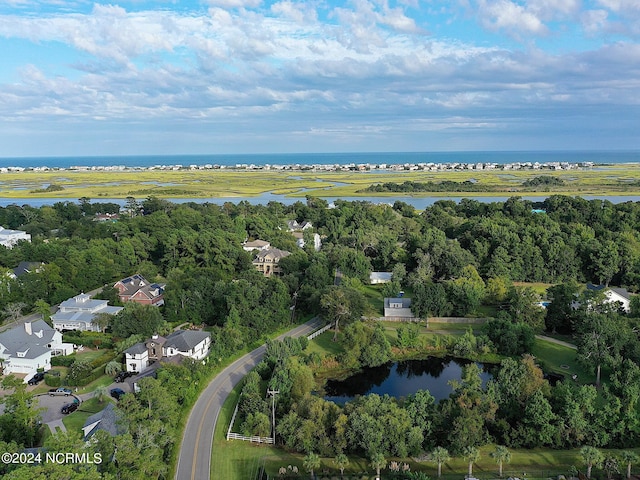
398	308
188	343
29	347
77	313
9	238
299	236
614	294
255	245
136	358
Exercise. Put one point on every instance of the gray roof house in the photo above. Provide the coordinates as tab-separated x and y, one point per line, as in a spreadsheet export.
27	267
398	308
26	348
106	419
188	343
614	294
77	313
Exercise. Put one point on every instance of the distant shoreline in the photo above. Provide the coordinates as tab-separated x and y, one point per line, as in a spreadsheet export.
307	160
348	167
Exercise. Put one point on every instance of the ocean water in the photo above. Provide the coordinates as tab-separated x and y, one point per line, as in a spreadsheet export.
598	157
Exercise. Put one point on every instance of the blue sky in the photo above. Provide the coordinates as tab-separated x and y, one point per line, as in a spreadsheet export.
249	76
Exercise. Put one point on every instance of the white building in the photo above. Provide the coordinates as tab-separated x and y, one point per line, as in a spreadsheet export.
77	313
299	236
398	308
9	238
29	347
255	245
136	358
613	295
188	343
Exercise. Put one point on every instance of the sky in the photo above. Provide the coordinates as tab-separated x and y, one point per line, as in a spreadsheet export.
136	77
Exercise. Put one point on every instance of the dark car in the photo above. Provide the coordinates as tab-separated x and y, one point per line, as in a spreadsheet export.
117	393
122	376
70	407
36	379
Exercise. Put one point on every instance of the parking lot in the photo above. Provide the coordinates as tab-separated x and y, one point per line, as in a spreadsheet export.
52	406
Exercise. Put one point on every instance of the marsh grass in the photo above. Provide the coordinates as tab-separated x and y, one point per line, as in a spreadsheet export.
614	179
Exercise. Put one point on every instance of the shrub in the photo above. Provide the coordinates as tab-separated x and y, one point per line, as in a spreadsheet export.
63	360
53	380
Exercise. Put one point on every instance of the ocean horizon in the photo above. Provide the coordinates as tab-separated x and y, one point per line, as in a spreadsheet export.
231	160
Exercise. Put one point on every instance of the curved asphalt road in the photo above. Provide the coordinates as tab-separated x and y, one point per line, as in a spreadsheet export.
194	460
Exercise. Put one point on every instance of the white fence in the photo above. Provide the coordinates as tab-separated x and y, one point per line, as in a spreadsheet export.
235	436
318	332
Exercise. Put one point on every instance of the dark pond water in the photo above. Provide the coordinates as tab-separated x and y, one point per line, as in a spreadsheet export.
404	378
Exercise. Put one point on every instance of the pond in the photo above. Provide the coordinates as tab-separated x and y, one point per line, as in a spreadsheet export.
404	378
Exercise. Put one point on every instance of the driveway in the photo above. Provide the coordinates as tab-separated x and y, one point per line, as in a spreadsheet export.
194	460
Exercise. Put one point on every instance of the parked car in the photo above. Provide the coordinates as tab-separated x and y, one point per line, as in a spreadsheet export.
122	376
36	379
60	391
117	393
70	407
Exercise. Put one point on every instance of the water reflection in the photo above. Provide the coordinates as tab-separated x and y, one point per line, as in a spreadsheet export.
401	379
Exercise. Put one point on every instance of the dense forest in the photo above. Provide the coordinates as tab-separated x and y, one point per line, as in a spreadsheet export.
454	257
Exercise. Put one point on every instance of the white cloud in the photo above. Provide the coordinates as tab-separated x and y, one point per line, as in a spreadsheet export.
510	16
235	3
620	6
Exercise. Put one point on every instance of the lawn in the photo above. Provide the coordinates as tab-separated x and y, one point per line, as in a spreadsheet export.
539	287
556	358
74	421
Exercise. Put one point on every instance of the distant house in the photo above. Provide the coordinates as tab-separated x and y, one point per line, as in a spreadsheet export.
29	347
107	420
299	236
9	238
137	289
398	308
256	245
294	226
267	261
77	313
376	278
27	267
614	294
106	217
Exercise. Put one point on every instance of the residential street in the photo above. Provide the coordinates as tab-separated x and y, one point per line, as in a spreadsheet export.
194	460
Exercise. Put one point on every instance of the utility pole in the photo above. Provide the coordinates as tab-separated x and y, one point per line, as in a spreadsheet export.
273	411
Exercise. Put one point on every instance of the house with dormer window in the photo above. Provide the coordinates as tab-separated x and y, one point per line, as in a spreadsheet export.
29	347
137	289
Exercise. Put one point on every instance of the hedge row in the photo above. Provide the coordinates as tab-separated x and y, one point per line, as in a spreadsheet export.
63	360
96	373
88	339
